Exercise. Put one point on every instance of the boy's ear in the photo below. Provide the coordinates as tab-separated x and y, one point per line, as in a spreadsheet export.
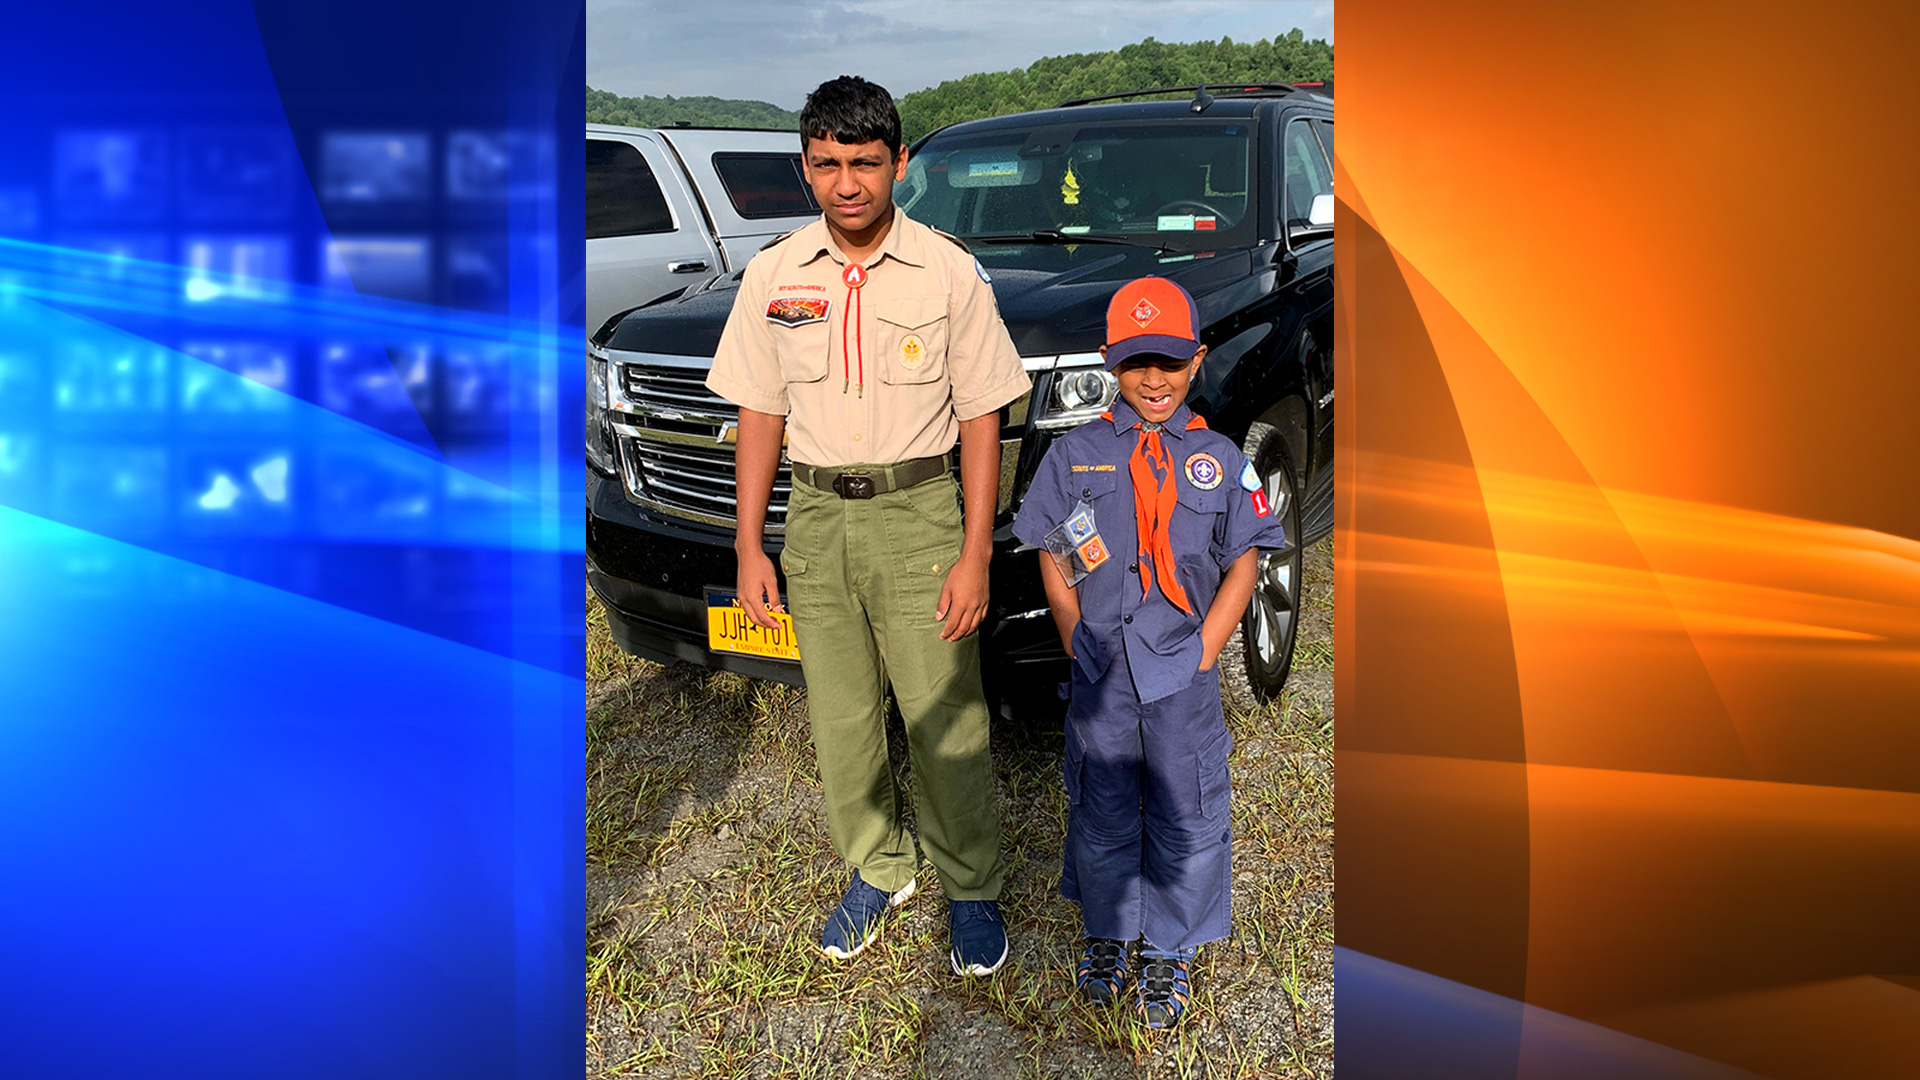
1199	355
1103	352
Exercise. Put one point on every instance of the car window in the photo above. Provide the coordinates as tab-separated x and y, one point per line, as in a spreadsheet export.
623	198
765	185
1307	171
1179	184
1325	128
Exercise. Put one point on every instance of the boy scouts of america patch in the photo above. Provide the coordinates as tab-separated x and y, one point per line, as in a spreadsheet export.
913	352
1203	471
796	310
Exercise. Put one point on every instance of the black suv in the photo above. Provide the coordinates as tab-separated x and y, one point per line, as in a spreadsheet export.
1228	193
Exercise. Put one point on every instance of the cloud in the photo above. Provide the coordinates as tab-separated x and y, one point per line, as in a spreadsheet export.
777	51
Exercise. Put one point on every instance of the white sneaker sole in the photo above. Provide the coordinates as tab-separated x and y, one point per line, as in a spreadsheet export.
894	901
953	958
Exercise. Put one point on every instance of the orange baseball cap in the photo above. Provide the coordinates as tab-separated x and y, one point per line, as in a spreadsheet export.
1151	315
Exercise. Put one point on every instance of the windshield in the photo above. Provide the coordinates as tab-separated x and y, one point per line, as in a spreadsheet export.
1179	184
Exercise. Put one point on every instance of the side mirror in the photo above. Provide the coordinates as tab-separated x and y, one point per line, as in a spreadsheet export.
1320	214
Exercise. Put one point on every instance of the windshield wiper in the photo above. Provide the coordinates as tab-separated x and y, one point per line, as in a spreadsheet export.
1055	236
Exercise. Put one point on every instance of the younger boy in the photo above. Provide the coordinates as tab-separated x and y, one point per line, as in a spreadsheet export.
1168	555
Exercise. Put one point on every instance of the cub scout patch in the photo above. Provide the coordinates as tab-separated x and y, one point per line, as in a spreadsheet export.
1249	479
1203	471
1260	507
796	310
1080	526
1092	553
913	352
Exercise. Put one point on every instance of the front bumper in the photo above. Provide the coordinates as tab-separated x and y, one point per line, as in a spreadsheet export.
652	572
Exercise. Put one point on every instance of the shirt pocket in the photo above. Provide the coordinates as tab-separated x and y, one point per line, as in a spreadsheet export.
803	350
1194	520
911	332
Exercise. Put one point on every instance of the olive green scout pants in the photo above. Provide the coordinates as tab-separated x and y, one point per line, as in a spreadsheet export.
863	581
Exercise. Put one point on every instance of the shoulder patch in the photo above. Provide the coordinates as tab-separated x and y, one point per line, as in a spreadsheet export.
779	238
982	271
962	244
1249	479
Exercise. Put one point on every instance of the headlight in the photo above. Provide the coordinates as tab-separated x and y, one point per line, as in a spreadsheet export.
1079	390
599	433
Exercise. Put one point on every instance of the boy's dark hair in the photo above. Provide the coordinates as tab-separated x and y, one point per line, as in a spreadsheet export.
850	110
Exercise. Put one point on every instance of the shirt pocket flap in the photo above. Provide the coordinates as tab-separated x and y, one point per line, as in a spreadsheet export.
1090	485
911	312
1204	501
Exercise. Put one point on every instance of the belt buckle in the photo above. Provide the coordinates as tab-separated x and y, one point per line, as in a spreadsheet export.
853	486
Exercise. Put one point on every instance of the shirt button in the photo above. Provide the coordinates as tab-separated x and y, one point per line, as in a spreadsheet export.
856	438
1086	493
1133	568
1128	620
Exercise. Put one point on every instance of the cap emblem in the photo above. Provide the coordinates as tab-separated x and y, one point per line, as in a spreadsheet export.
1144	313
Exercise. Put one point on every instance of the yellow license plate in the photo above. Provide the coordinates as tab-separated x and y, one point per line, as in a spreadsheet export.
729	630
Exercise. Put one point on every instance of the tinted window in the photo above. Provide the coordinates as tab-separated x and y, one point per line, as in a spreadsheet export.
1326	136
1307	171
1180	184
623	198
765	185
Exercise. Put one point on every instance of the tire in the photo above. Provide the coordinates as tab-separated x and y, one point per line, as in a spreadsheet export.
1255	662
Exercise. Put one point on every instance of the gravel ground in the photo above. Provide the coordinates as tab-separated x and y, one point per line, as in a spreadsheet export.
709	871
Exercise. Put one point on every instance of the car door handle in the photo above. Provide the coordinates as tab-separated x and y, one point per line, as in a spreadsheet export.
687	266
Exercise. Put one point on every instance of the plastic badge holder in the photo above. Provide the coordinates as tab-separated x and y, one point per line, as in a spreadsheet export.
1076	546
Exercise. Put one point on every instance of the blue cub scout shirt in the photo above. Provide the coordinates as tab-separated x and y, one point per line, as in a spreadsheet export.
1215	522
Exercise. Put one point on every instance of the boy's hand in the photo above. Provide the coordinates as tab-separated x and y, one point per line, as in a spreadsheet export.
1229	604
963	599
757	588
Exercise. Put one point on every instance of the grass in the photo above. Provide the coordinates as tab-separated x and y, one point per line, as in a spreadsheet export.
709	870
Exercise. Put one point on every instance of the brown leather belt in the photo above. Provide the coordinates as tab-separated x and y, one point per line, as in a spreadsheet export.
866	481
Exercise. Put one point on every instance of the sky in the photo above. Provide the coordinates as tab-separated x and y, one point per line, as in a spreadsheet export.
773	51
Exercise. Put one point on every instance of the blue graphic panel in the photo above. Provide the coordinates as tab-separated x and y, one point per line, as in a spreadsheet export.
290	539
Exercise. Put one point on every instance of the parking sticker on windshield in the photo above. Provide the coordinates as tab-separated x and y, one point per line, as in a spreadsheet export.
1177	223
1203	224
992	168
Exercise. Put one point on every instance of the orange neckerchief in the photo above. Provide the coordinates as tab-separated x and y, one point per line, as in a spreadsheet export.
1154	494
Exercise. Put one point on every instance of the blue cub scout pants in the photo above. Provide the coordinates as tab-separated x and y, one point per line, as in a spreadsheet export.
1148	842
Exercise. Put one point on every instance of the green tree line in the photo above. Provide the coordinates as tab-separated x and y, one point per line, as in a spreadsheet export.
1053	79
604	107
1046	82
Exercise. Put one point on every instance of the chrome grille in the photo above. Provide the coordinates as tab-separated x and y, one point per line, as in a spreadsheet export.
676	449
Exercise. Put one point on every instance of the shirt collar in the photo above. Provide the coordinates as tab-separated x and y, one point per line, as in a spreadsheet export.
902	242
1124	418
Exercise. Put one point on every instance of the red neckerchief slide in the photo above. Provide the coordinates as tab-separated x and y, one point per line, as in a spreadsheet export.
1154	495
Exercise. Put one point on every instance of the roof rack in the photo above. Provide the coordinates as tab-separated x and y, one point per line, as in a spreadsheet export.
1236	89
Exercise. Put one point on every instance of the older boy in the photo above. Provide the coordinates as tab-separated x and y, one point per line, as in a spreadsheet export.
1162	516
873	343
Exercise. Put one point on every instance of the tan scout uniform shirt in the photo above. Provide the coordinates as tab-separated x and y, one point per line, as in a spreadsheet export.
877	375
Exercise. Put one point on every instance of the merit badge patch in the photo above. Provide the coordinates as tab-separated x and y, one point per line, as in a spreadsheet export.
1249	479
1203	471
913	352
1260	506
796	310
1092	553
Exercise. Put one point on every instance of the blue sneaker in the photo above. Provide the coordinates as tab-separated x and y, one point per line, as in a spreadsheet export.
1166	985
979	937
856	922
